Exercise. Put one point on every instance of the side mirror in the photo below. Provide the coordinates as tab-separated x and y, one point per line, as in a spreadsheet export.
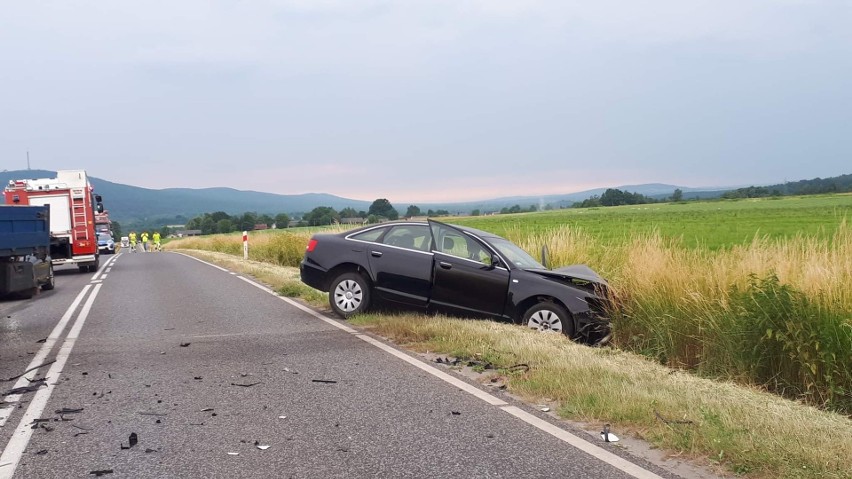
495	261
99	208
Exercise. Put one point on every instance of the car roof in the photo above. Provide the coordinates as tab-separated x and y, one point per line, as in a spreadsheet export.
474	231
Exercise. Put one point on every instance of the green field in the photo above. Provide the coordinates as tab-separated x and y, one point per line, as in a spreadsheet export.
711	225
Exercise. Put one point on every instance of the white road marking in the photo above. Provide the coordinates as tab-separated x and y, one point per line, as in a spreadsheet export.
103	267
103	276
21	437
205	262
472	390
583	445
42	353
595	451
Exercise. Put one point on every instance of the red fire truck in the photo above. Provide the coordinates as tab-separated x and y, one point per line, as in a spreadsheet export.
73	206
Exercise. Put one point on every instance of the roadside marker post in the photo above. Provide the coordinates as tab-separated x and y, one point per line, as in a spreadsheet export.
245	244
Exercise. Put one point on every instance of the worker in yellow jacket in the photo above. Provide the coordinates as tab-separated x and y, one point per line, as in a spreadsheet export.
145	241
132	241
156	238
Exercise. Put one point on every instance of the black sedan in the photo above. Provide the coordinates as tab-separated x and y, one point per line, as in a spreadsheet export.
437	266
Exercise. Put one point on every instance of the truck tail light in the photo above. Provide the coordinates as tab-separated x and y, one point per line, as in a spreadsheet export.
311	245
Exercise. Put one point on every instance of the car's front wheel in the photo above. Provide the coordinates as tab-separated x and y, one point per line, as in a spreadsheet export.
549	316
349	294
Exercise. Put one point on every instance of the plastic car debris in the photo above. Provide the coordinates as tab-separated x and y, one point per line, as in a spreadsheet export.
608	436
263	447
68	410
101	472
245	385
31	369
42	452
24	389
183	345
133	440
324	381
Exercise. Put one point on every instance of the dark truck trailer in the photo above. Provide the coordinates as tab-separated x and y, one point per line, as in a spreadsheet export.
25	264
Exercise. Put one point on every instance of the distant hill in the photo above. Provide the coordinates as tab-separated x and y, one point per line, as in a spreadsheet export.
134	205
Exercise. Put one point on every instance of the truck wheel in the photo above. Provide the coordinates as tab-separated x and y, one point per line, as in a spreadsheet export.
51	281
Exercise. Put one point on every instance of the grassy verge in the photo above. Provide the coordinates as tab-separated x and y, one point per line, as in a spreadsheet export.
741	429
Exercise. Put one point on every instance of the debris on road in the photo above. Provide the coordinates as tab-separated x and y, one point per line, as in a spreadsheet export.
149	450
68	410
325	381
456	413
31	369
263	447
544	409
197	378
207	409
42	452
41	340
133	440
24	389
233	454
101	472
608	436
290	371
245	385
183	345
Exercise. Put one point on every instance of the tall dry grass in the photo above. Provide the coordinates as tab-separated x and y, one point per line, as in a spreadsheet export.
774	313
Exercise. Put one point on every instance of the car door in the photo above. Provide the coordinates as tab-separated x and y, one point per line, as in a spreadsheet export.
401	263
463	276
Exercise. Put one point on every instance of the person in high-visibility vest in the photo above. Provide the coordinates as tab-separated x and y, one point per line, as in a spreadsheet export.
156	238
145	241
132	241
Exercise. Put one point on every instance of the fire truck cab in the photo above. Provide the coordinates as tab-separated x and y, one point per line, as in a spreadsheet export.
73	206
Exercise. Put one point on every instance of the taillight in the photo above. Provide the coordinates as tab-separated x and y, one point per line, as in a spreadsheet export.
311	245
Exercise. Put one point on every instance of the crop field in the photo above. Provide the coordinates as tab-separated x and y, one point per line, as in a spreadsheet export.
754	291
694	224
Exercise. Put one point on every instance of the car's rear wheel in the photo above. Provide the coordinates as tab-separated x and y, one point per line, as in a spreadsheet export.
549	316
349	294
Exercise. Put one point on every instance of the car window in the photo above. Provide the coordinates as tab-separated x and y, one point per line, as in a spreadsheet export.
104	237
370	235
409	237
457	244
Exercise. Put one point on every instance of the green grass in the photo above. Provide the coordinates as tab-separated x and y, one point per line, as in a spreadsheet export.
708	225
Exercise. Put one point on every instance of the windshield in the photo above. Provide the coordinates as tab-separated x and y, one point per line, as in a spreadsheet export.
513	253
104	237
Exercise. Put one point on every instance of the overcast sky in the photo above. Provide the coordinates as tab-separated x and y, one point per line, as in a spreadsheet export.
424	101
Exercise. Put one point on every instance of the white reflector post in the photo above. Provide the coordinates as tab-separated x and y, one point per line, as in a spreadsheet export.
245	244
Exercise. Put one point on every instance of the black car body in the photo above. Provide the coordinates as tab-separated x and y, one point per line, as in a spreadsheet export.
437	266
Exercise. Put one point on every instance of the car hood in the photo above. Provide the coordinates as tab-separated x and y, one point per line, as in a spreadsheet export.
575	271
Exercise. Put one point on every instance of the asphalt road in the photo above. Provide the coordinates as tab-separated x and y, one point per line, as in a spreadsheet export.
204	367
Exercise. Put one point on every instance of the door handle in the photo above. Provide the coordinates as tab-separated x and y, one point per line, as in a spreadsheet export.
377	254
445	265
